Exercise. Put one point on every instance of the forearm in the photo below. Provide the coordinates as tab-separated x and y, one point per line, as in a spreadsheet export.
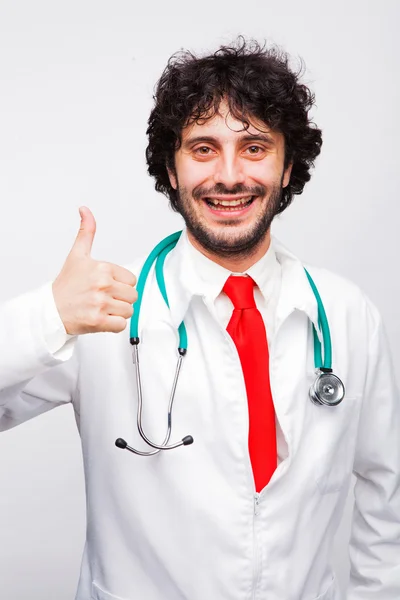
35	371
27	323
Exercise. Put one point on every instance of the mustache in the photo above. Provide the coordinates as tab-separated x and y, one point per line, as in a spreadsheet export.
220	189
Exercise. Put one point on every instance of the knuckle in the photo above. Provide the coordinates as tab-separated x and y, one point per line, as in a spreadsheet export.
103	276
103	282
100	301
94	319
104	267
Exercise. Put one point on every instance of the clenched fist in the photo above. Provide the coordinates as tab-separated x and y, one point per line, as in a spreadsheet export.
91	295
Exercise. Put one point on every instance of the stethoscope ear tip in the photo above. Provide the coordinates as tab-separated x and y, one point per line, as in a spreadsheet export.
120	443
187	440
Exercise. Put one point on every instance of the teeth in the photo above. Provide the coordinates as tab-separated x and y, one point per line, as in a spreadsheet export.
235	202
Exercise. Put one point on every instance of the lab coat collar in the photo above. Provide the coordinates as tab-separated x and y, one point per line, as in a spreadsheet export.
296	292
186	269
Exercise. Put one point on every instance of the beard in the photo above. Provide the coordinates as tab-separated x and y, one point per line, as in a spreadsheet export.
223	241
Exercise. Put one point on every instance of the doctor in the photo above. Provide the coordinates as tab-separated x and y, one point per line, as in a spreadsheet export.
250	508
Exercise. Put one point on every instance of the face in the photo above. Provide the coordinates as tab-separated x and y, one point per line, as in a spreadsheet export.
229	183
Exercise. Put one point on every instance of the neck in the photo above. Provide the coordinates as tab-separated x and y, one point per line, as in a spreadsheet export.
235	264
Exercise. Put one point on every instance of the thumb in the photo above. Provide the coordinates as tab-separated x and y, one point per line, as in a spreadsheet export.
84	239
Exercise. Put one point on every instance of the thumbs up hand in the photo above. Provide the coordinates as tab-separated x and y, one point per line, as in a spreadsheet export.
92	296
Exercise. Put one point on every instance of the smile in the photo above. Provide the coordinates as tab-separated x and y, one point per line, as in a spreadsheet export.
225	204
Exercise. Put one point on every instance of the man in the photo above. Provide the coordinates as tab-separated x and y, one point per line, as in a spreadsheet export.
250	508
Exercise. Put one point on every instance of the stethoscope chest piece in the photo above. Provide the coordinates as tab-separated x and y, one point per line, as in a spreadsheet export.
327	389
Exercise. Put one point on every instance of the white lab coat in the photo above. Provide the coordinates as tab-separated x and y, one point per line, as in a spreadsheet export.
187	524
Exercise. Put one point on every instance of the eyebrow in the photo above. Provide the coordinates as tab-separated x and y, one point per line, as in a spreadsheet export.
247	137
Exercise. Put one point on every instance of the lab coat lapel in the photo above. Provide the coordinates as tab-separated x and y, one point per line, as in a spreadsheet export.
181	281
292	367
296	292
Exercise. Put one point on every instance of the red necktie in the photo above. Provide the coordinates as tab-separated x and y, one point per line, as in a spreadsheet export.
246	328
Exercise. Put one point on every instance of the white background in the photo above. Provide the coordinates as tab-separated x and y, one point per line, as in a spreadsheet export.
76	82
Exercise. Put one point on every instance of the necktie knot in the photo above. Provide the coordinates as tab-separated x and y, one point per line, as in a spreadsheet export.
240	291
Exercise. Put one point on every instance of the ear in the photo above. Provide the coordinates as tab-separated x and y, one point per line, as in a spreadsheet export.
286	175
172	178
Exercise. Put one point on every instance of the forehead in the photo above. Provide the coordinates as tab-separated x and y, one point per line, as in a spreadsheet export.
226	127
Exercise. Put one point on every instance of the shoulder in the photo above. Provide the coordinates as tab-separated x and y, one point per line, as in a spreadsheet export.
342	296
335	286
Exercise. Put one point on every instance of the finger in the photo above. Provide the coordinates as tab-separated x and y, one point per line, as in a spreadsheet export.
123	292
117	308
124	276
84	239
114	324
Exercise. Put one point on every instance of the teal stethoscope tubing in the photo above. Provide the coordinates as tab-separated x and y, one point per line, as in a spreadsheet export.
159	254
327	388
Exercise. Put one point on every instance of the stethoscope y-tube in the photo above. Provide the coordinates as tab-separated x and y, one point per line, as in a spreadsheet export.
327	389
186	441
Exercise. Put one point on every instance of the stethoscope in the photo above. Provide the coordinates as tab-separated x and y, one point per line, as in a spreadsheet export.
327	389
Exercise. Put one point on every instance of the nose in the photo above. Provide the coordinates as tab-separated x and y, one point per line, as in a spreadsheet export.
228	171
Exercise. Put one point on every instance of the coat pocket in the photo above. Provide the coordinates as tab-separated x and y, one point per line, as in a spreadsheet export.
99	594
334	440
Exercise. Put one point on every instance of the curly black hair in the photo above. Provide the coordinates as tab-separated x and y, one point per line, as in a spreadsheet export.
256	81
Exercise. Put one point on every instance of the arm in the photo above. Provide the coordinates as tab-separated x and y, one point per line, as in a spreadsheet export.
32	340
87	296
375	534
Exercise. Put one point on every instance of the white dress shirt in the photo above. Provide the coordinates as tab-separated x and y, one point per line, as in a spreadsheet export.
266	273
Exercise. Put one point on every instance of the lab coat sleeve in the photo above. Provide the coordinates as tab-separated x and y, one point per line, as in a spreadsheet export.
375	533
38	366
57	339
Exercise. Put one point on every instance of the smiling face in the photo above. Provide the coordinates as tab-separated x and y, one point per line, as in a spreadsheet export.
229	182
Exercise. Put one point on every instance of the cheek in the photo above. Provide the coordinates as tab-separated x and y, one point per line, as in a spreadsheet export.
264	173
268	172
194	174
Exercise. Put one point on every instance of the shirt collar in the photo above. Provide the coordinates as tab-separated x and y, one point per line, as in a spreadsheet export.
189	273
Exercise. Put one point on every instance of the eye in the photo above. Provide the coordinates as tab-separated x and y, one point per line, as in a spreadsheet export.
203	150
254	150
